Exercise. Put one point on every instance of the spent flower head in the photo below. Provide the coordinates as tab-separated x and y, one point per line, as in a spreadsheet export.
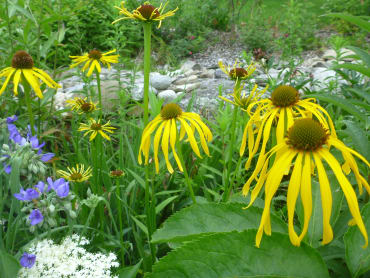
236	72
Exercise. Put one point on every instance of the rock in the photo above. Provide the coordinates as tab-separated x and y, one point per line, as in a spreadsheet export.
74	88
219	74
160	82
207	74
167	95
187	87
110	93
189	72
186	80
347	52
188	65
137	92
322	74
197	67
329	54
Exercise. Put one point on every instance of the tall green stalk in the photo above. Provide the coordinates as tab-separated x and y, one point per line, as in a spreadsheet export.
232	143
187	179
99	93
28	99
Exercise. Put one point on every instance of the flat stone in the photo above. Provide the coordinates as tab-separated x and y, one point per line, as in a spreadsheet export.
160	82
187	87
188	65
137	92
207	74
219	74
167	95
329	54
186	80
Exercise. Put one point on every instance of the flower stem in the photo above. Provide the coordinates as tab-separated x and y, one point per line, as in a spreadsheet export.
187	179
119	198
147	37
27	95
99	92
225	196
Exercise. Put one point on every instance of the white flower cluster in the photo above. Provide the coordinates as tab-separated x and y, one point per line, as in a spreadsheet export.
68	260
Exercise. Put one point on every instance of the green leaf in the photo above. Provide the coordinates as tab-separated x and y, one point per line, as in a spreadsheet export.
130	272
359	68
315	228
364	55
342	103
233	254
359	138
360	93
163	204
9	266
357	258
352	19
200	219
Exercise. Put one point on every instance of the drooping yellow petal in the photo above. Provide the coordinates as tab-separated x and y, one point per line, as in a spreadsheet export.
348	191
190	134
280	126
10	73
306	194
201	135
16	79
293	191
164	145
173	135
32	81
157	138
326	200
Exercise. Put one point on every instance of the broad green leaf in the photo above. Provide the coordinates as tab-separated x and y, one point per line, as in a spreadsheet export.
130	271
360	93
314	233
357	258
342	103
359	68
359	138
200	219
233	254
9	266
364	55
365	25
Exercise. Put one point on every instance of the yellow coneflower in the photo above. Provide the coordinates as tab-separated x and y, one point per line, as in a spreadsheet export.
95	128
76	174
283	106
167	121
236	72
145	12
242	100
305	143
93	59
23	68
81	105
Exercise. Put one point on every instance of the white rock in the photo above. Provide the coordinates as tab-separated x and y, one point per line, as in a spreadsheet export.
329	54
187	87
167	95
207	74
186	80
137	92
160	82
188	65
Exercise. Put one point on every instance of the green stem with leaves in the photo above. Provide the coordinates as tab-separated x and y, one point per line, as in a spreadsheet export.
232	143
99	93
187	178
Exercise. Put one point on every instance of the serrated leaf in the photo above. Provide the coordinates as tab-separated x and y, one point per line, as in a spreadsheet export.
9	266
342	103
357	258
201	219
233	254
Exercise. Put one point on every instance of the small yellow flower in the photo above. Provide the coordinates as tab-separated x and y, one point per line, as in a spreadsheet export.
78	174
145	12
308	143
283	106
93	59
236	72
167	120
22	68
242	100
81	105
95	128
